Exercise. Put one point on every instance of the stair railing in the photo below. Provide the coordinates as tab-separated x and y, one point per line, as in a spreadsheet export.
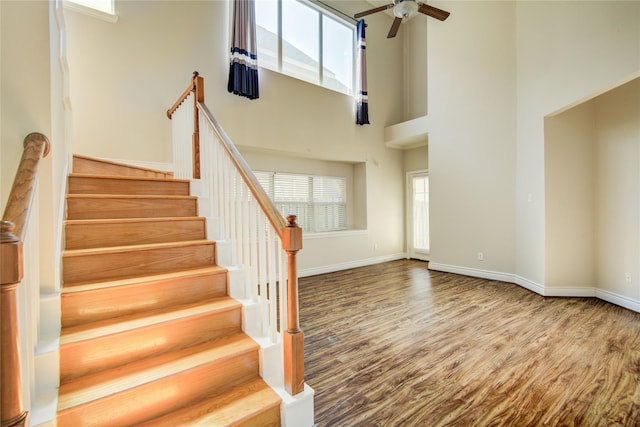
12	234
260	238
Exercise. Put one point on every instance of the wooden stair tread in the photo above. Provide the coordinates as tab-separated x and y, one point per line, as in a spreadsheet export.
237	404
104	383
127	178
148	328
125	323
213	269
132	248
107	221
131	196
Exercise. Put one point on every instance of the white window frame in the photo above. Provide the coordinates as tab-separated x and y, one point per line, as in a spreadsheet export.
321	13
100	9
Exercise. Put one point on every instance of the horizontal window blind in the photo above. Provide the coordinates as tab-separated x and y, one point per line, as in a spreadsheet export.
319	202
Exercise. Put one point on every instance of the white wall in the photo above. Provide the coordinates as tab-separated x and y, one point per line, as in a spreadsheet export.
566	52
125	75
472	134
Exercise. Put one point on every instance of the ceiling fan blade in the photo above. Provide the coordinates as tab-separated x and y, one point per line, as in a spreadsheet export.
394	27
374	10
433	12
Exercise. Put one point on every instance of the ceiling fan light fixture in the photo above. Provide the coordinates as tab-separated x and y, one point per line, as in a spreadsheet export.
405	8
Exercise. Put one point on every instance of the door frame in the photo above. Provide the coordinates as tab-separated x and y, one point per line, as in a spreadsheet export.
410	250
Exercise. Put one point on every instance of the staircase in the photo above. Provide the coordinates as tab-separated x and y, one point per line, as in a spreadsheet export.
149	335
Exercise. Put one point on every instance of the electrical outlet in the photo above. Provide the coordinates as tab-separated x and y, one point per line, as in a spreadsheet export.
480	256
627	277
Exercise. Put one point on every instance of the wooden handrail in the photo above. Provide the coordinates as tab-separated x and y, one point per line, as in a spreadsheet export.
288	231
36	146
12	231
243	168
196	86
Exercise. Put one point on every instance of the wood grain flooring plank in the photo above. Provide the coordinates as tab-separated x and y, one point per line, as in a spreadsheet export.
395	344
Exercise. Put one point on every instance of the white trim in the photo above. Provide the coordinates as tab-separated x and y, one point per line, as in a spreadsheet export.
621	300
570	291
473	272
332	234
351	264
94	13
564	291
529	284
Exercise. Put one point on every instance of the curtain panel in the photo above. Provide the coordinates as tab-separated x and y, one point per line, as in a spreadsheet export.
362	101
243	69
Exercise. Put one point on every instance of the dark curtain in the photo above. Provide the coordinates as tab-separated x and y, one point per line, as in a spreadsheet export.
243	70
362	101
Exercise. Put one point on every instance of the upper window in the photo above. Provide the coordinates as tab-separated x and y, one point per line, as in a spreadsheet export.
103	9
105	6
301	40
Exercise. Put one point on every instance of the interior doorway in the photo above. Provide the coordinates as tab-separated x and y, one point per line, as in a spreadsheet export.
418	214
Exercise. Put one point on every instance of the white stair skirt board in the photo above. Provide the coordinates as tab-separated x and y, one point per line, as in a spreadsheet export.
297	411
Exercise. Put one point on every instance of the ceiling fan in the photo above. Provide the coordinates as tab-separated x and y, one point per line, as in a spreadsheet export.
405	9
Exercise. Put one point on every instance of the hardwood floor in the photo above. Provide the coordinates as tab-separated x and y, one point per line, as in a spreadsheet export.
395	344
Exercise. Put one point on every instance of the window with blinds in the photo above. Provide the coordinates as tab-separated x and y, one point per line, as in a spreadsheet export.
319	202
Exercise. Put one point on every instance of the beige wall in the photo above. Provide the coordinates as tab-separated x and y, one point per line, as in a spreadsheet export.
570	199
32	99
567	51
25	91
416	159
592	187
617	188
495	71
125	75
472	132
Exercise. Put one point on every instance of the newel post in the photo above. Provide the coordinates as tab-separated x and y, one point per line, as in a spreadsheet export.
293	336
198	89
11	406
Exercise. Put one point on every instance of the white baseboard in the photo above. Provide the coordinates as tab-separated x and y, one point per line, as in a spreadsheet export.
613	298
473	272
549	291
351	264
570	291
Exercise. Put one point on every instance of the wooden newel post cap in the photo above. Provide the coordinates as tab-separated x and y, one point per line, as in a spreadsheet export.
6	232
291	221
292	235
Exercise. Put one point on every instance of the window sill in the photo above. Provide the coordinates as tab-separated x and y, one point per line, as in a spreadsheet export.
331	234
